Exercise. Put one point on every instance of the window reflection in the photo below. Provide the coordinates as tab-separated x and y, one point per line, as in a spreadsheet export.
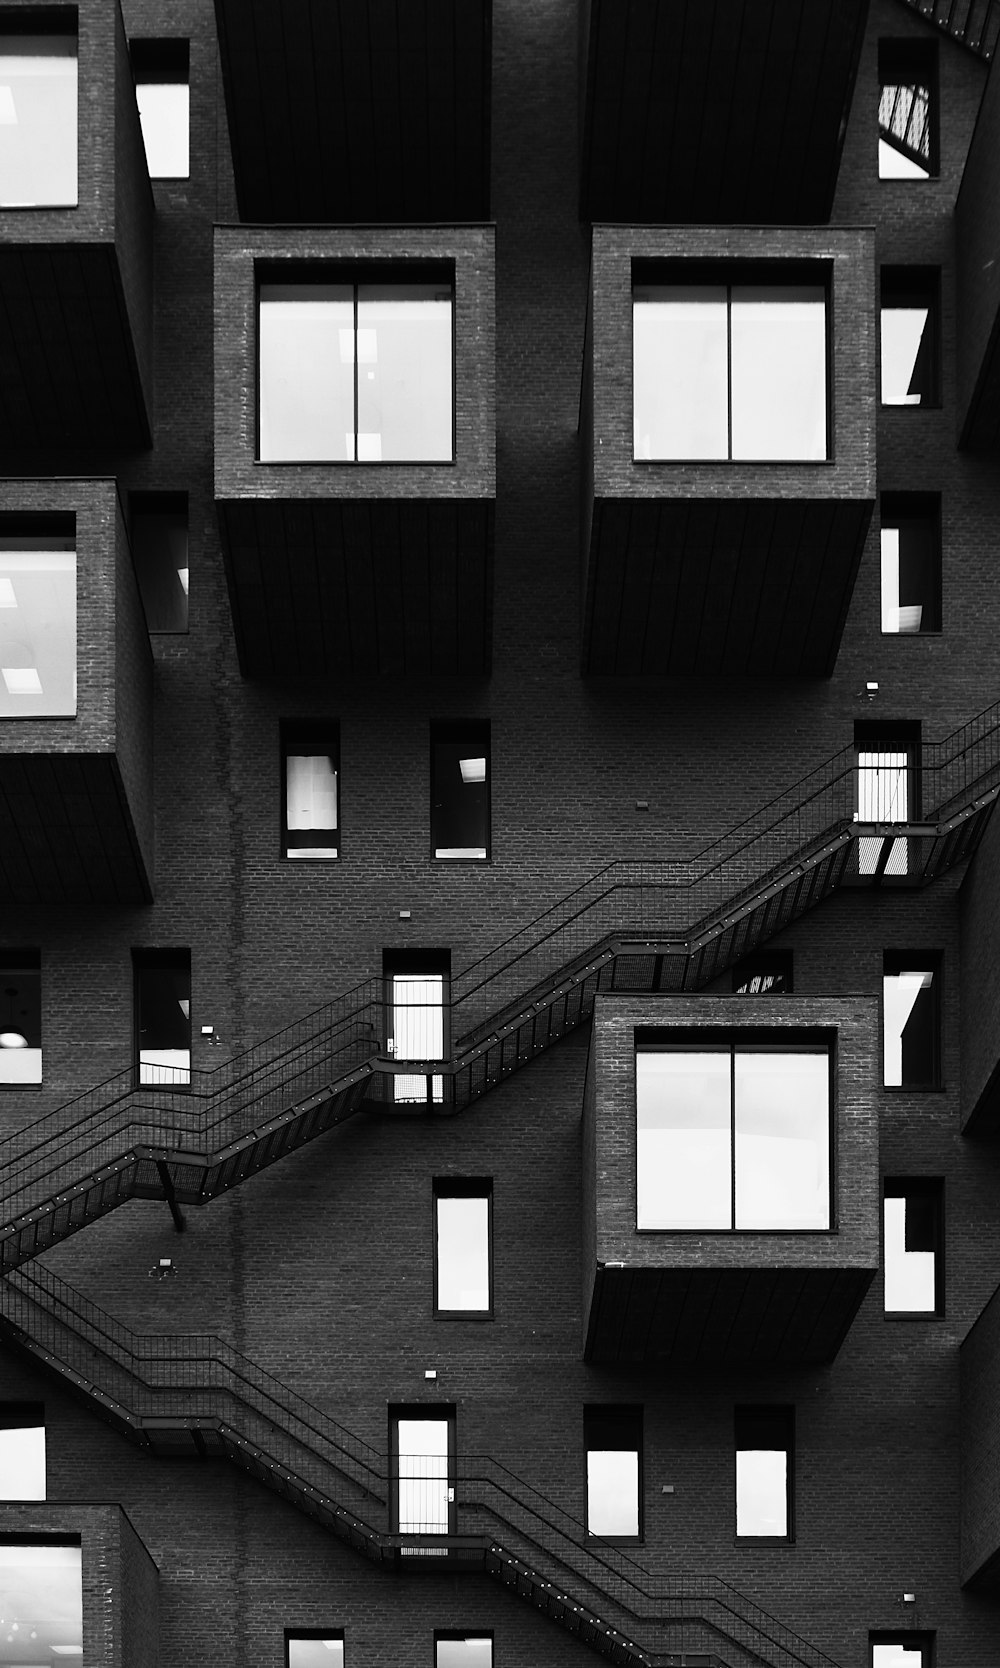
460	788
159	537
912	1244
355	373
163	1017
38	99
22	1451
909	330
20	1016
730	372
613	1442
417	1020
38	626
423	1476
462	1248
327	1652
472	1651
310	792
911	566
763	1471
910	1021
733	1138
907	110
41	1593
162	95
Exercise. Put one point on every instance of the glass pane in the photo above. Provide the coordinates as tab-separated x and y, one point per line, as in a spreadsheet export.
909	578
160	554
612	1492
306	372
315	1653
463	1252
897	1656
418	1031
423	1476
404	373
909	1027
463	1653
22	1464
163	115
37	628
20	1024
38	121
680	371
761	1491
907	355
910	1283
882	785
310	805
782	1140
684	1140
459	798
164	1024
779	372
904	121
42	1583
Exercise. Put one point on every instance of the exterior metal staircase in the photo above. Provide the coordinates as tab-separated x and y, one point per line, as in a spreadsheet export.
975	23
193	1395
639	927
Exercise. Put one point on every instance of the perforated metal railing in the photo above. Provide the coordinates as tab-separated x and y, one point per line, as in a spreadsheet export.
117	1141
974	23
193	1391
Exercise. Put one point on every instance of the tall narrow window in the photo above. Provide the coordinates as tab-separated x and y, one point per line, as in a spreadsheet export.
907	110
37	617
463	1650
163	1017
612	1438
38	99
911	1019
462	1247
422	1442
910	337
159	525
22	1451
913	1246
310	773
356	372
315	1649
766	974
888	785
460	791
20	1016
764	1472
902	1650
730	371
43	1578
160	68
911	563
416	996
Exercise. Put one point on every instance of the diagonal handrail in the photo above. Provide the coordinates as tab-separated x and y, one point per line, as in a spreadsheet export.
662	900
197	1381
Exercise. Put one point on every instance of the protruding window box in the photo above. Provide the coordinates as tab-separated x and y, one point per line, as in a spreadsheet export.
76	235
355	474
731	1186
698	113
393	128
85	1579
727	419
76	733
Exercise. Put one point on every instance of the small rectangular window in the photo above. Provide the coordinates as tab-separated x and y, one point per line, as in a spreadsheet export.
323	1648
460	791
462	1246
902	1650
162	1017
43	1579
911	1019
764	1472
37	617
422	1444
463	1650
160	68
767	974
913	1246
20	1016
417	999
38	109
22	1451
907	110
356	372
159	527
310	775
911	350
911	563
612	1438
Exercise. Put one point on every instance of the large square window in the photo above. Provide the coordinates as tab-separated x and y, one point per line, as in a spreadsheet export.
462	1246
911	1019
20	1017
310	775
460	791
356	372
159	537
911	563
41	1585
37	618
38	99
764	1474
612	1439
730	371
160	68
733	1137
163	1017
911	351
913	1246
319	1649
907	110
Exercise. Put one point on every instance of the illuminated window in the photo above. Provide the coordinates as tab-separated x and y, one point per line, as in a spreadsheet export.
911	373
41	1584
320	1649
612	1439
463	1650
160	68
356	372
38	99
163	1017
911	1019
907	110
460	791
422	1442
22	1451
20	1017
913	1247
310	801
764	1472
37	617
416	1000
462	1247
911	563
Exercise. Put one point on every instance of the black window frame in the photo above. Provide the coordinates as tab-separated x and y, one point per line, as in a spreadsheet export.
914	286
476	733
293	732
912	63
462	1187
895	962
419	963
917	510
163	61
929	1190
150	958
906	1639
779	1416
620	1419
763	965
25	1415
444	1635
